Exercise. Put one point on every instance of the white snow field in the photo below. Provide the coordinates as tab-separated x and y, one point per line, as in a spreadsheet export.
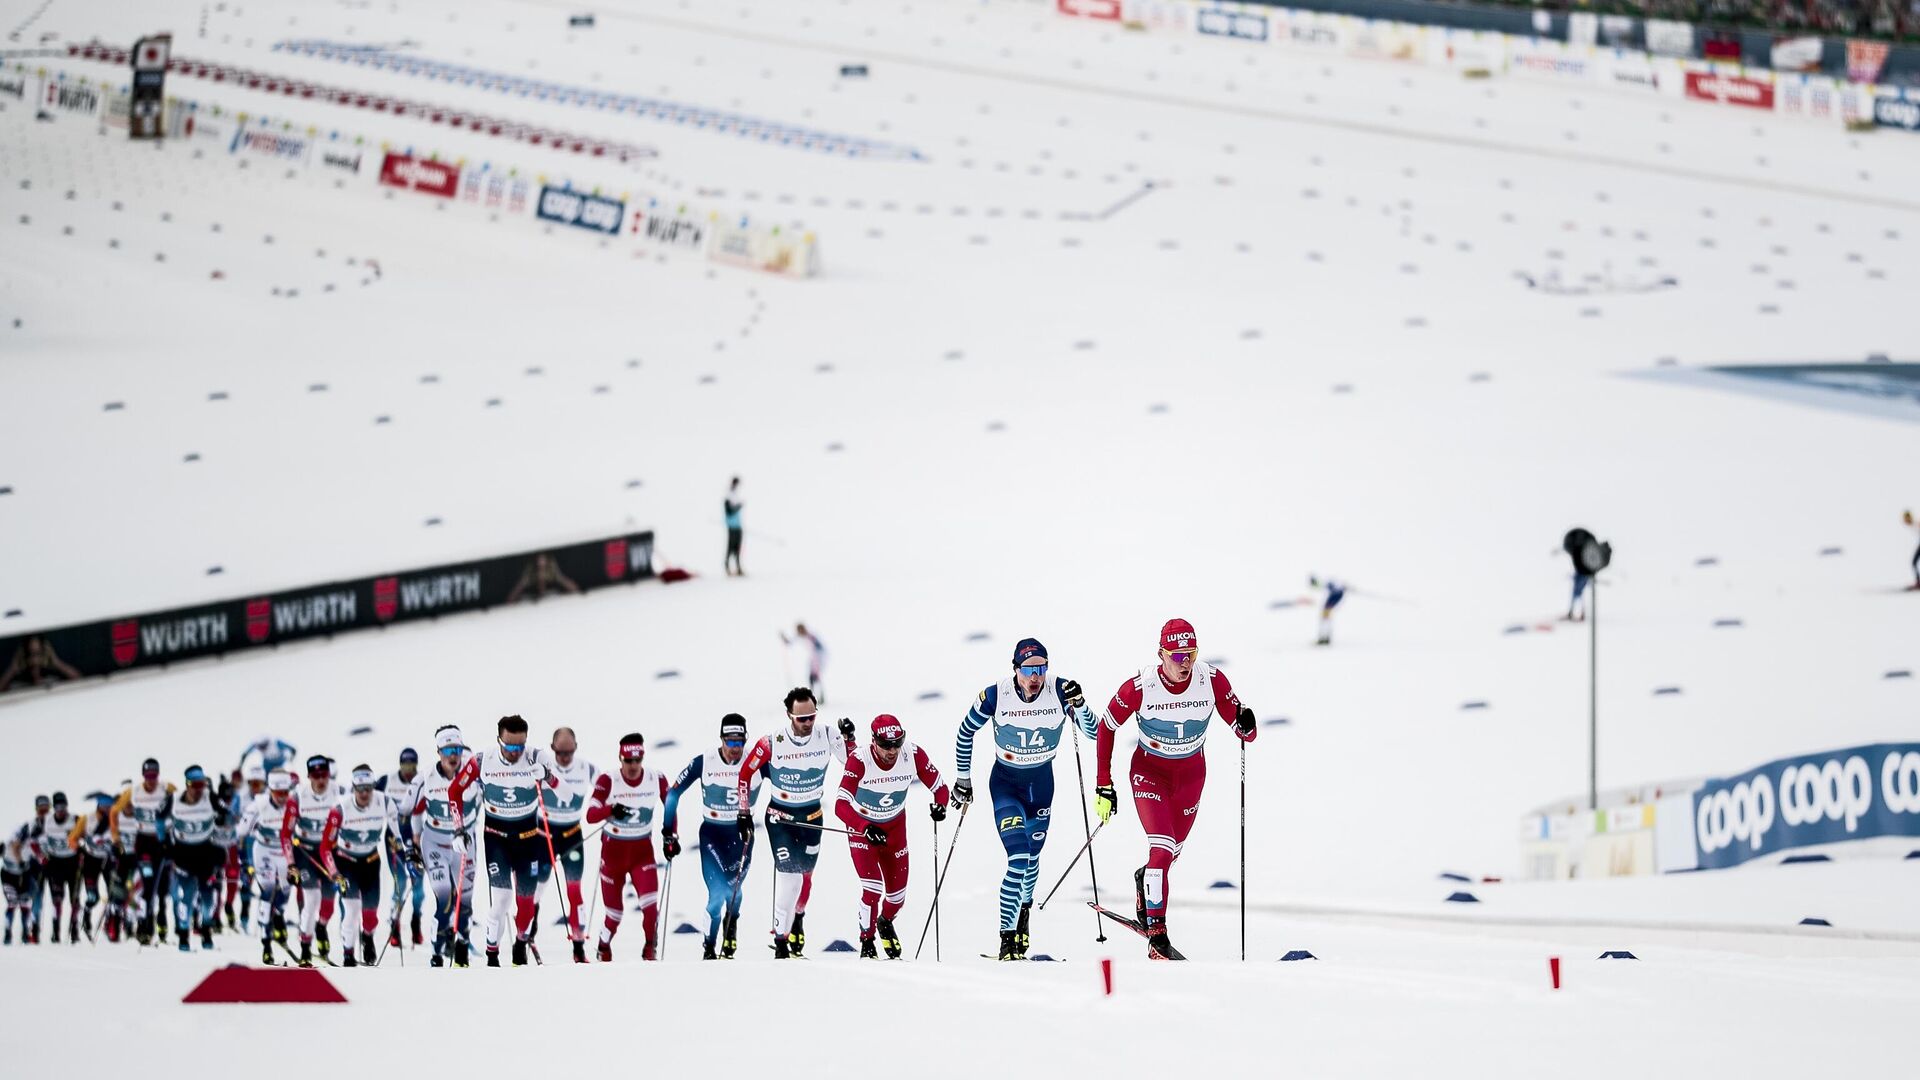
1001	410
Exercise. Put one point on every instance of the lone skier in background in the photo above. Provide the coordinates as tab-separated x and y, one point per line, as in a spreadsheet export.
1174	701
1336	592
732	505
1575	542
1915	526
816	656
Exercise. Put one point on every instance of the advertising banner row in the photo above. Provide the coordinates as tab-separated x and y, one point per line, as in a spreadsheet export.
163	637
1776	811
1484	52
647	223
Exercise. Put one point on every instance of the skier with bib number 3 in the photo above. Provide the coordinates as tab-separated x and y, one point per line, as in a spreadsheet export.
1174	702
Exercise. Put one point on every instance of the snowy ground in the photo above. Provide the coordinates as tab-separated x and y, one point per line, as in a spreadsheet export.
1305	351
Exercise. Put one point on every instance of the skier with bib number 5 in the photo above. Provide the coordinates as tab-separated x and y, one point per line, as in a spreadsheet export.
1174	702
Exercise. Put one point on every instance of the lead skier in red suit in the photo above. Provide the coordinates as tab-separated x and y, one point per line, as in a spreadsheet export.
1174	702
872	805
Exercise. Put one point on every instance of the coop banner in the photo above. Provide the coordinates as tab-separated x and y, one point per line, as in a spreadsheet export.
162	637
582	210
1852	794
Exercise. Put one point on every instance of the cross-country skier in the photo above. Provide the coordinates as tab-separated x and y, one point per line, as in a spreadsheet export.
147	806
308	831
509	776
1029	713
196	857
60	844
269	753
1335	592
260	828
795	761
724	858
626	800
365	817
814	652
1914	525
872	804
565	805
447	836
732	505
1174	702
96	854
397	788
21	855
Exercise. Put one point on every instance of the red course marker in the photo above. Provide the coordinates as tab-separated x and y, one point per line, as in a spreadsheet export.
1106	973
1553	967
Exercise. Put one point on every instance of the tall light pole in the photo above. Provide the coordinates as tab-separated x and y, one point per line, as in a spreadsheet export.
1590	556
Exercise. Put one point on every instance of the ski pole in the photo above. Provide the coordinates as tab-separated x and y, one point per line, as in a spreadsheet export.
1084	848
791	820
941	879
936	896
553	863
1086	826
666	896
1243	852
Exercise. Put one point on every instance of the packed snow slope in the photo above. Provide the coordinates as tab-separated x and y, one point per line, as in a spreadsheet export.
1016	403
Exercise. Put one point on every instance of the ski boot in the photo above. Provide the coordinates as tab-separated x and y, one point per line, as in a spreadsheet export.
56	929
186	940
459	952
1140	896
605	952
1009	945
889	940
8	939
437	960
206	937
393	933
493	956
160	929
797	937
1020	938
347	958
73	930
519	952
706	951
579	952
142	934
367	956
781	950
278	925
418	937
1158	947
266	951
325	943
86	922
867	951
306	954
231	924
729	937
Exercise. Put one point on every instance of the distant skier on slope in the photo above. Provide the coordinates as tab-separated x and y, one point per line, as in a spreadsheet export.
732	506
1573	544
1174	701
1335	592
1915	526
1029	712
816	657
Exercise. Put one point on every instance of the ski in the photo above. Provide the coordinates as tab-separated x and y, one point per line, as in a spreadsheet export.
1024	959
1124	920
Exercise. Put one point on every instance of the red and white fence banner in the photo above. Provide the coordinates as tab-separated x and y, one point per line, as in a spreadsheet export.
1730	89
1090	9
419	174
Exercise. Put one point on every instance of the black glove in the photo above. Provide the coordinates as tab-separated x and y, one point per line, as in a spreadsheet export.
876	836
963	791
619	811
846	728
936	811
293	876
1244	726
746	826
673	845
412	855
1071	693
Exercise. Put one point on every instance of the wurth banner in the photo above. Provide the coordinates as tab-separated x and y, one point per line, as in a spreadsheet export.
1108	10
162	637
1730	90
419	174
